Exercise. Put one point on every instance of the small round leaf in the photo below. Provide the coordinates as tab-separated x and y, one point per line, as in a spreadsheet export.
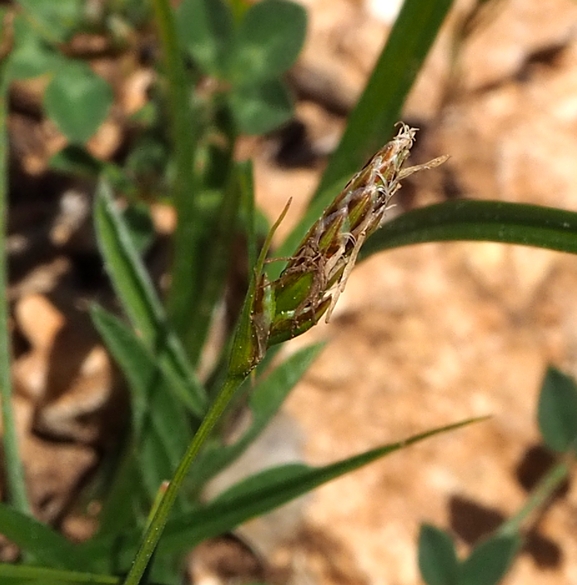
268	41
56	21
77	101
437	558
258	109
489	561
205	28
557	410
31	56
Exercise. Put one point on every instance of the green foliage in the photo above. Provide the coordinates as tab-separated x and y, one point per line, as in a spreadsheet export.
184	148
249	56
55	20
489	560
557	412
438	561
206	30
268	41
77	100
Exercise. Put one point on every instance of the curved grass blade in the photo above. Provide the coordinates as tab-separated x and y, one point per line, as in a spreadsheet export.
140	301
371	123
46	545
26	574
492	221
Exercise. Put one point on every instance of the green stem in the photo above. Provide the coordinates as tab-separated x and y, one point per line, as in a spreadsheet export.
159	519
539	496
13	465
185	264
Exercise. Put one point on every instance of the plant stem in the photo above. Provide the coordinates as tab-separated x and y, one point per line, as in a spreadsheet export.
186	259
160	517
539	496
13	465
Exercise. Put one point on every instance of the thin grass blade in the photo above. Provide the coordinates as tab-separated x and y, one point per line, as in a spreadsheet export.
186	273
216	263
15	483
160	427
258	495
140	301
27	574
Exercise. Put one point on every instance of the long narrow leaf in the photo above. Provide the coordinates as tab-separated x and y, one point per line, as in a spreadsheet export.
371	122
260	494
46	545
139	299
216	263
15	482
25	574
270	489
160	427
186	265
494	221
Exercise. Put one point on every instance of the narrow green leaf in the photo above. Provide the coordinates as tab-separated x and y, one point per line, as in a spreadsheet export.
218	260
25	574
77	101
268	41
139	222
268	490
438	561
253	497
261	107
206	28
493	221
246	181
489	561
139	299
557	410
14	472
264	402
187	263
148	379
371	123
160	426
46	545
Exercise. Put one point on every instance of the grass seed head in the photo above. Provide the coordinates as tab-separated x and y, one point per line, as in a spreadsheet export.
316	274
